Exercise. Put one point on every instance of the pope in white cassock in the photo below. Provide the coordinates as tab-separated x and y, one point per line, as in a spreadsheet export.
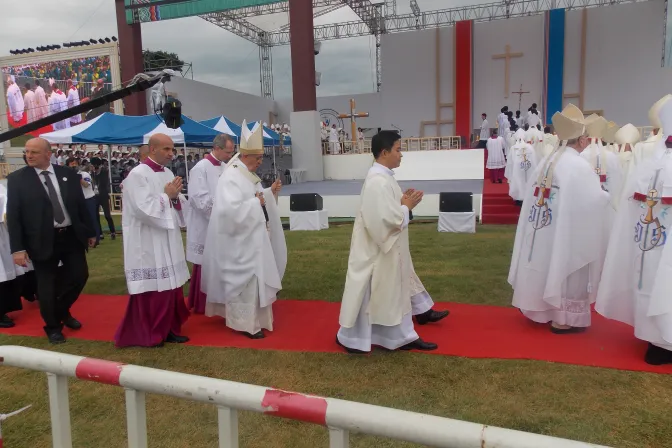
637	278
14	99
558	251
382	291
520	165
203	178
245	252
154	263
603	162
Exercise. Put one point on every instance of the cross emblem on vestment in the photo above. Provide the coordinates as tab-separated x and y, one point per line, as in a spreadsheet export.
507	60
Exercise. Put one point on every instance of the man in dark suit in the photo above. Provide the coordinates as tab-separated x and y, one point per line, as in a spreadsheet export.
101	177
48	223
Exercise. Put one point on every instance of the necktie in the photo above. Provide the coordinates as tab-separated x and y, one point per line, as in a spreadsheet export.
59	216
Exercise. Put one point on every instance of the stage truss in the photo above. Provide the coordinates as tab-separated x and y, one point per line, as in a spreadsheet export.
374	19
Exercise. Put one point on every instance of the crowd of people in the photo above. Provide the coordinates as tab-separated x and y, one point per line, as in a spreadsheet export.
84	70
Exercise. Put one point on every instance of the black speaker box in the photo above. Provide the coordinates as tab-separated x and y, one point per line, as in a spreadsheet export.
305	202
455	202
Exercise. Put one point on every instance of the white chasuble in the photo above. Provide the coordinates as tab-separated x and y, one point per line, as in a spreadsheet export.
637	276
607	166
153	250
559	250
203	179
520	166
42	104
30	103
245	257
380	265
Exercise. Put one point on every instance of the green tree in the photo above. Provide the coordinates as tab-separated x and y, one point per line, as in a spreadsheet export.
158	60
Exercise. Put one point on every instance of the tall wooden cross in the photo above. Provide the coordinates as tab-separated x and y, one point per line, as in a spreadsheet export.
507	60
353	115
520	94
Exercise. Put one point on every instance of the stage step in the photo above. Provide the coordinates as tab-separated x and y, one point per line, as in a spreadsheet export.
501	209
500	219
503	200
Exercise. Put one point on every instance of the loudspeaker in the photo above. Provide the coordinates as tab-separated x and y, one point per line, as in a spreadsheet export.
456	202
305	202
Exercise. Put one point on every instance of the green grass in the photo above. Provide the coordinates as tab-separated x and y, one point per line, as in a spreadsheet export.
610	407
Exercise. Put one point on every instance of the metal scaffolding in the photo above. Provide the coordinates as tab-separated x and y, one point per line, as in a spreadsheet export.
266	69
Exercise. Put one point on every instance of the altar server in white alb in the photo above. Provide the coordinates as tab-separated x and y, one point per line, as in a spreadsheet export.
58	102
245	253
625	140
558	251
637	278
73	100
203	179
485	132
382	291
154	260
603	162
14	99
520	165
496	162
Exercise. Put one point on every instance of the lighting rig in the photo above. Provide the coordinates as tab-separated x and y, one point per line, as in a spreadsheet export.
82	43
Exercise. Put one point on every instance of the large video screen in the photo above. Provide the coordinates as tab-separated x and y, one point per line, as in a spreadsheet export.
35	91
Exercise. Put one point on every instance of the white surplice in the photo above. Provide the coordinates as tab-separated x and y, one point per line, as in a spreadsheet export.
58	103
153	250
637	275
42	103
30	103
73	100
203	179
558	252
15	102
382	291
607	166
502	121
244	258
485	130
496	148
520	166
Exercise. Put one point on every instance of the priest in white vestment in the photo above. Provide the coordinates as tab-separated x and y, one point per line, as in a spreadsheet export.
203	179
154	263
558	251
637	277
496	159
42	103
334	142
30	103
502	120
521	163
604	163
551	143
644	150
625	140
485	132
382	291
14	99
245	253
609	136
58	102
73	100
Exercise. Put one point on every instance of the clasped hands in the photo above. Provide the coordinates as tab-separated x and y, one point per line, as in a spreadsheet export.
173	188
411	198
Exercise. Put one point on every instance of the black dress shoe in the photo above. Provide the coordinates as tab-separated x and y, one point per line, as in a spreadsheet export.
569	330
419	344
352	351
56	337
431	316
258	335
657	356
6	321
72	323
176	339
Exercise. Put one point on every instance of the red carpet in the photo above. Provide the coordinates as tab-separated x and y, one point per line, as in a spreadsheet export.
498	207
24	121
471	331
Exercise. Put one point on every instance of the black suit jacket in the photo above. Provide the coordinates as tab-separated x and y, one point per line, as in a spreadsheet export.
30	215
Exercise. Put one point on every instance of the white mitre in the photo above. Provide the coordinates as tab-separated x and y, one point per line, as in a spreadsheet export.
519	135
628	134
251	142
655	109
569	124
596	126
610	133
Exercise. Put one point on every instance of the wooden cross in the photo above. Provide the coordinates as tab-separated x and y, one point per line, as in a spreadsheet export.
507	59
520	94
353	115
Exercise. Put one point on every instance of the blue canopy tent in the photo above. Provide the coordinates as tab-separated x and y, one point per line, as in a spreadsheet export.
223	125
271	138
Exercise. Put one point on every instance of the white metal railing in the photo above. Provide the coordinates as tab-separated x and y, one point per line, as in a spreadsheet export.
407	144
339	416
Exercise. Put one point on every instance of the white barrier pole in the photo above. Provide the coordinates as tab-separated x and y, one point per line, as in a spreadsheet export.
339	438
136	418
227	421
59	407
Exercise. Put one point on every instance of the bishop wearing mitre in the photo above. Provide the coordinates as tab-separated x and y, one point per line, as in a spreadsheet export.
609	136
625	140
154	260
382	292
245	253
637	277
644	150
203	179
558	250
520	165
